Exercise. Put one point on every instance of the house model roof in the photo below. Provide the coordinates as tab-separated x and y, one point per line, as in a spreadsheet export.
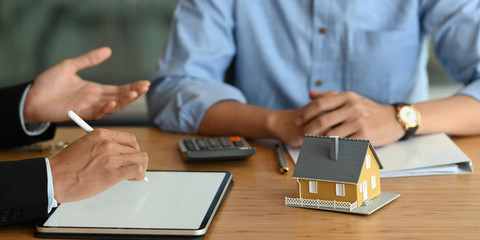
332	159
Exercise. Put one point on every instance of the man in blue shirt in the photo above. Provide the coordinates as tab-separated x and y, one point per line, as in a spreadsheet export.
317	67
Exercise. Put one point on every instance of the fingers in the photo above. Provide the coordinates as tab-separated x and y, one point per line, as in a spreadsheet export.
126	98
121	96
346	129
133	166
140	87
108	107
129	92
321	124
105	99
90	59
327	101
122	138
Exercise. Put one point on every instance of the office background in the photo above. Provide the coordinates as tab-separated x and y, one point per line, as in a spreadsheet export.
35	35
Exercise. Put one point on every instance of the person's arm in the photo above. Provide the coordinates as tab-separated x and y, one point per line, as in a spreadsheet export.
456	39
24	196
191	69
56	91
235	118
113	157
14	132
351	115
456	115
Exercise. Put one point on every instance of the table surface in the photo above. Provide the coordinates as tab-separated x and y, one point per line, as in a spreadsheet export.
430	207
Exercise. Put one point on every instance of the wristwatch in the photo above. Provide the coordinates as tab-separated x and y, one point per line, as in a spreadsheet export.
409	117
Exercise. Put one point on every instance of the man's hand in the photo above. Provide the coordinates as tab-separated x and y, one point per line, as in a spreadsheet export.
338	114
96	162
350	115
60	89
329	113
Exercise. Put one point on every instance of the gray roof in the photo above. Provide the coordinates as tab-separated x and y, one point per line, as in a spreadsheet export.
314	161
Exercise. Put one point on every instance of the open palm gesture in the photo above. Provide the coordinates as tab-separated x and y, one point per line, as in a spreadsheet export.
59	89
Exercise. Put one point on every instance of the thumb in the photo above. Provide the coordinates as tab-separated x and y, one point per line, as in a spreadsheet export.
91	58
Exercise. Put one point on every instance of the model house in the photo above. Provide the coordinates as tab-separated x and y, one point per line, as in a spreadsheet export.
337	172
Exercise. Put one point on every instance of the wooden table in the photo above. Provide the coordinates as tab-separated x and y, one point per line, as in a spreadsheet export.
430	207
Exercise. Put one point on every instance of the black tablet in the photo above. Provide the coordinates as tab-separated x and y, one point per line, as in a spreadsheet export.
172	203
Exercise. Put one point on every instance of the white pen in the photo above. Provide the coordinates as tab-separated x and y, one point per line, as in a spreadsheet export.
79	121
84	125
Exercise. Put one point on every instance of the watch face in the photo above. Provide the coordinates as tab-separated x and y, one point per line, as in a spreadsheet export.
409	116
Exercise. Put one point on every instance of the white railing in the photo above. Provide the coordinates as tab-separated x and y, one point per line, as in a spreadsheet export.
318	203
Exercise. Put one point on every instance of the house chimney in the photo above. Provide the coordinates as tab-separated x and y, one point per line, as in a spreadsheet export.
334	147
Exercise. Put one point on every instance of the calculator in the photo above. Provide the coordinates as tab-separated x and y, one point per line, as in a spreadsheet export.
215	148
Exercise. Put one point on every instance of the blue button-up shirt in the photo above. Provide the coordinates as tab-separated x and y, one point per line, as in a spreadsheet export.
280	49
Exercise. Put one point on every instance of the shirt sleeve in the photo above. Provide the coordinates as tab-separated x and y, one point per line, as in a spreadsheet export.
191	69
455	26
31	129
50	191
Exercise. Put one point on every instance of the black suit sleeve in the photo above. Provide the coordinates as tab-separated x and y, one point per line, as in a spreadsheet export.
23	191
11	127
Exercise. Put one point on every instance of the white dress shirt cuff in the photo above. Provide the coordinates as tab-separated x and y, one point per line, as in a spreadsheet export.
51	197
31	129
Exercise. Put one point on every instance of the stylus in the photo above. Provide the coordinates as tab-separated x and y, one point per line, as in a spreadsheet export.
84	125
79	121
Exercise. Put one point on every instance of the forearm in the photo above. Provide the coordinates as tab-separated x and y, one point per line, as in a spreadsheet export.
234	118
456	115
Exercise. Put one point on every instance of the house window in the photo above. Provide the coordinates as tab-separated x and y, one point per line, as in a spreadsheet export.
312	186
340	189
367	160
374	182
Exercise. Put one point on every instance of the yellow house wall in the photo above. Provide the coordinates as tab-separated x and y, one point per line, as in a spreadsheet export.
366	175
326	191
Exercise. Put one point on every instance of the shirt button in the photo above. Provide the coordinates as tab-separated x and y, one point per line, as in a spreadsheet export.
318	83
322	30
4	216
16	213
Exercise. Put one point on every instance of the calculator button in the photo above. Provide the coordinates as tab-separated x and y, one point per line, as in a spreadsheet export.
202	144
213	142
235	138
225	142
189	145
238	144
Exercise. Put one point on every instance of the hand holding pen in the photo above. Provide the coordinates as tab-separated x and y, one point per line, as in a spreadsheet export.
94	163
84	125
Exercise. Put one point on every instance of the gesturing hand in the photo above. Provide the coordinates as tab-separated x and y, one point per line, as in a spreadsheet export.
96	162
60	89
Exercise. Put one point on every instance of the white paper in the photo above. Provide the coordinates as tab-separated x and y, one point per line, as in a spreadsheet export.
433	154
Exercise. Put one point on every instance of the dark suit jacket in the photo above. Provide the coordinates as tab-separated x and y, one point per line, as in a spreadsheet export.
23	184
11	128
23	188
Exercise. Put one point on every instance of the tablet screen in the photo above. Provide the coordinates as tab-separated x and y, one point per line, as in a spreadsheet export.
170	200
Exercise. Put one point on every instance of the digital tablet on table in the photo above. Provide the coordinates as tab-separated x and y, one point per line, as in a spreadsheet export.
172	203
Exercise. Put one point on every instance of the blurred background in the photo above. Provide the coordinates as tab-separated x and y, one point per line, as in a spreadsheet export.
35	35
